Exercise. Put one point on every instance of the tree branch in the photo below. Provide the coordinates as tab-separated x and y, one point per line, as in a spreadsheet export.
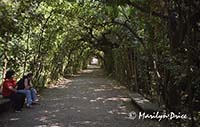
153	13
131	30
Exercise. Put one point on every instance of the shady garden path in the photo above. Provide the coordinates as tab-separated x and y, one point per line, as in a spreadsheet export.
89	99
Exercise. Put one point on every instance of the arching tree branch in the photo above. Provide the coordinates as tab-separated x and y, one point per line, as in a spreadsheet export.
131	30
143	9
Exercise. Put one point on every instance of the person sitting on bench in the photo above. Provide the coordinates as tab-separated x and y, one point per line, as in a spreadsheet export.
25	86
9	91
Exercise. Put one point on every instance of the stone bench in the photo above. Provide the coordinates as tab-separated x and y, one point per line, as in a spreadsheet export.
143	104
5	104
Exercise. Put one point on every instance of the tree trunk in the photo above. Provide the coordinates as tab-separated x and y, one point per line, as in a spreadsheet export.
135	70
5	60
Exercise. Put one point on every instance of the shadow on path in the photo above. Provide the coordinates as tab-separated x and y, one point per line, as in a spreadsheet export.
87	100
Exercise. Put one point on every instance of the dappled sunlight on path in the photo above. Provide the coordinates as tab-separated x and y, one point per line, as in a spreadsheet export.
86	100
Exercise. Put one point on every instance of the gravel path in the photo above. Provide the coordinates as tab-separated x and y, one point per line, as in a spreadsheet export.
89	99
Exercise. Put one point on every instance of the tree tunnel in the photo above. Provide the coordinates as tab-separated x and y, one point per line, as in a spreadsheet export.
150	46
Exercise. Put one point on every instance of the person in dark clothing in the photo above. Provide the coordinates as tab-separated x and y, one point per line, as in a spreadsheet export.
25	86
9	91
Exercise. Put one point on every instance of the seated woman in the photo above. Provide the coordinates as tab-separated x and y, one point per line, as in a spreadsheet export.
24	85
9	91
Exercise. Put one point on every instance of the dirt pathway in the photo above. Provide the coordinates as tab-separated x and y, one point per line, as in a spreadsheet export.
87	100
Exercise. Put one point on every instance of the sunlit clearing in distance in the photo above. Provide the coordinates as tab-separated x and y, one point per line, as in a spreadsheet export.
94	61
